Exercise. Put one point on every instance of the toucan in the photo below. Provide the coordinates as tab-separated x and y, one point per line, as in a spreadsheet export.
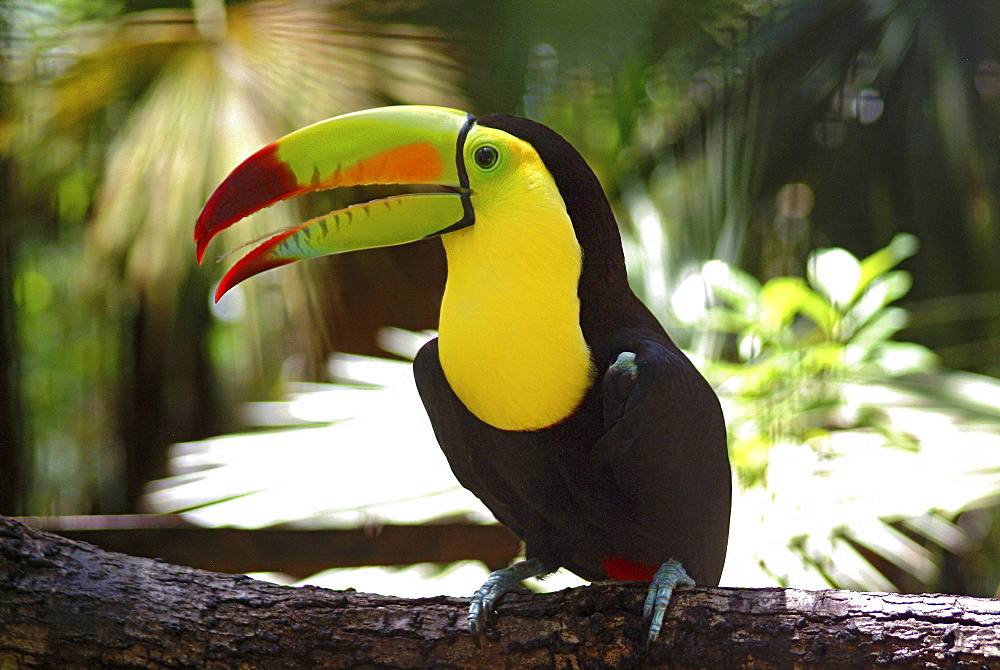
556	395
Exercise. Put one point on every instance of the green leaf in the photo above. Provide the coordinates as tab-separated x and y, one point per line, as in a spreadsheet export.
899	249
736	287
825	356
749	346
782	299
889	287
895	359
882	326
724	320
836	274
883	290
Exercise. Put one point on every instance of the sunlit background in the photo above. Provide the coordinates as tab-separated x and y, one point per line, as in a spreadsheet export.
808	192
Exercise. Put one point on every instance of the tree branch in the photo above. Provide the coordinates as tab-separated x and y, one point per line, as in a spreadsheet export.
68	604
298	553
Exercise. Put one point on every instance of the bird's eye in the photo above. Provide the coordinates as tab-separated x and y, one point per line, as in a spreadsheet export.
486	156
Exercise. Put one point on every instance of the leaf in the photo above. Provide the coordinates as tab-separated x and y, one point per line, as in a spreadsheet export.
899	249
888	288
893	546
881	327
940	531
749	347
824	356
724	320
836	274
895	359
781	301
882	291
784	298
735	286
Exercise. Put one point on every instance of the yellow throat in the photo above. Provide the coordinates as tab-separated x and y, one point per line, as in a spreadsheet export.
510	341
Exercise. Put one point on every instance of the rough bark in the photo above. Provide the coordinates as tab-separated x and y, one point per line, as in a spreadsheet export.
67	604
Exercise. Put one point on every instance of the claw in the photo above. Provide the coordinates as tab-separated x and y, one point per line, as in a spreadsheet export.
670	575
499	583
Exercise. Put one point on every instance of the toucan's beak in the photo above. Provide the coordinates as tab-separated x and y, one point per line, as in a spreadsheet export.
408	146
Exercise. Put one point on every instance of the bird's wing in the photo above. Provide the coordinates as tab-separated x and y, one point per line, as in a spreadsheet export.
665	445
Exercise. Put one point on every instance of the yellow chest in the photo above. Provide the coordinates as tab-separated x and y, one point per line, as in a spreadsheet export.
510	341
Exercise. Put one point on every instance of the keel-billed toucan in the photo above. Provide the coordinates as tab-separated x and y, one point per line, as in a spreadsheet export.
555	394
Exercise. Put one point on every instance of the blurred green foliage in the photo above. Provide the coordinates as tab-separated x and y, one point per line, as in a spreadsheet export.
828	440
69	365
798	340
123	119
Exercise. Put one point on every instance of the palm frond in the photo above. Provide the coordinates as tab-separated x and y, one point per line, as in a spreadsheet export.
155	107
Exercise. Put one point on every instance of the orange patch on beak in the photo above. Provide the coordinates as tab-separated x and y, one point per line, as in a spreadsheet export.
417	163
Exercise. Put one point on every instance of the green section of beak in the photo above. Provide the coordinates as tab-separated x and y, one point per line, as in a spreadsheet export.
395	220
409	146
389	145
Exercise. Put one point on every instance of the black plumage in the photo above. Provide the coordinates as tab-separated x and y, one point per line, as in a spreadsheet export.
639	473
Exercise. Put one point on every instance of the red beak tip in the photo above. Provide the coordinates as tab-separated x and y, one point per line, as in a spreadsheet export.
200	239
223	288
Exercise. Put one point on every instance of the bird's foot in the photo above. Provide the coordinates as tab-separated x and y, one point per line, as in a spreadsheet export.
670	575
499	583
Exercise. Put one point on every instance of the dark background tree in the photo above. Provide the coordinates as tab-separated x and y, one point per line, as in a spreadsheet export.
13	441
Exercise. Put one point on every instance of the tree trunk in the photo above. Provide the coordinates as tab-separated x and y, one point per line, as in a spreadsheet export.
12	425
70	605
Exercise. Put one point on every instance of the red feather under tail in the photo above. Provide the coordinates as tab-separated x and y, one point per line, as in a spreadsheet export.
622	569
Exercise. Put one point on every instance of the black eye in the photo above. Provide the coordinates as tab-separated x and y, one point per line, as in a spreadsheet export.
486	156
